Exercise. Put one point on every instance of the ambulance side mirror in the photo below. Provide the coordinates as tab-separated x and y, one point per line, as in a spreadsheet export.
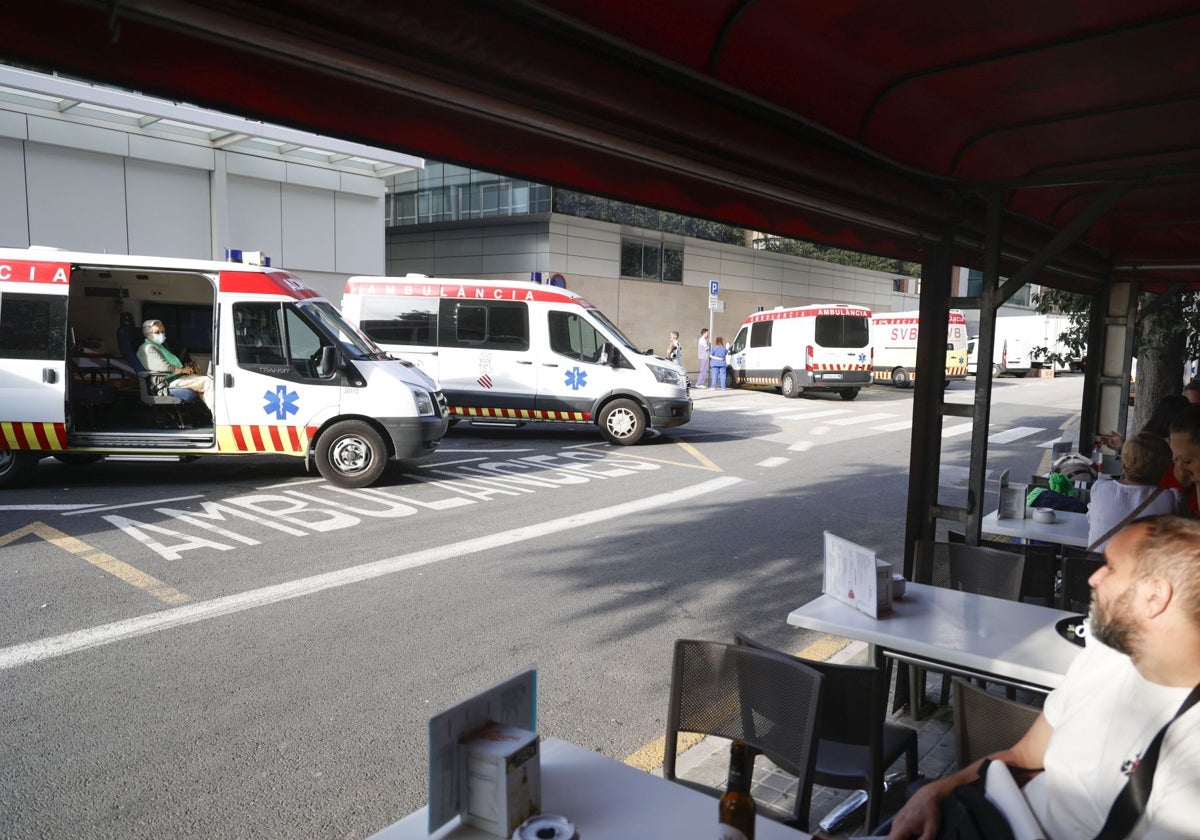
328	359
609	355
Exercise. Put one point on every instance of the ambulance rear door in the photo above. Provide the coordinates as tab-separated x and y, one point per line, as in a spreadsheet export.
33	351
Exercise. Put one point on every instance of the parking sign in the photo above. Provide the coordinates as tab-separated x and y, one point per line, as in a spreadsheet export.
712	288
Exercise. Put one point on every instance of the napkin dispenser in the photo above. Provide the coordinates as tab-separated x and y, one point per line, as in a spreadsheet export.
503	778
883	586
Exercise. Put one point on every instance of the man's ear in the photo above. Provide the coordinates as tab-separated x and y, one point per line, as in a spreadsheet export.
1156	595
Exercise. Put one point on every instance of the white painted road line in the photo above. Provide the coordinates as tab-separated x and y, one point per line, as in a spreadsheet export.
861	418
48	648
810	414
1014	434
960	429
894	427
773	462
800	446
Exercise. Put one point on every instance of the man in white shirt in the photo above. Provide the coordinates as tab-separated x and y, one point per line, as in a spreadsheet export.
702	355
1141	661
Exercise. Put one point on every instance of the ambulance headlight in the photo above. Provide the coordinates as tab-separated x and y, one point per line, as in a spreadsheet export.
423	400
668	376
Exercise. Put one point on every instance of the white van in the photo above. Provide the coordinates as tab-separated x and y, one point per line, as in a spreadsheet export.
509	352
290	376
823	347
894	340
1009	355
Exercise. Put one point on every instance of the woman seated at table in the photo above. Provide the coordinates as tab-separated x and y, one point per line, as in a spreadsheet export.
1117	502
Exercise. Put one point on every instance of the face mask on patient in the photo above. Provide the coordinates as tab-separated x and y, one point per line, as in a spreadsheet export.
158	338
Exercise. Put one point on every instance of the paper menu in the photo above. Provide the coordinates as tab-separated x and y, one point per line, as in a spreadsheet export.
853	575
510	703
1002	790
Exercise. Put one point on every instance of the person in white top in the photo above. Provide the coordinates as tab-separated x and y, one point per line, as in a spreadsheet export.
1144	459
1141	661
702	355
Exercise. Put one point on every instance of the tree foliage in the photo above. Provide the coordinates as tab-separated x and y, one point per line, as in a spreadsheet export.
827	253
1166	337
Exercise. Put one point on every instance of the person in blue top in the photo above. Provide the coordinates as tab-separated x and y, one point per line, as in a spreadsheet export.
716	360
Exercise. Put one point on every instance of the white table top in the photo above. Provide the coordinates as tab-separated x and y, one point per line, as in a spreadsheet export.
606	800
1007	639
1067	528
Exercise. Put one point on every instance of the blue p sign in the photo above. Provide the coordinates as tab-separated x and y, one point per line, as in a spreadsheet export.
712	287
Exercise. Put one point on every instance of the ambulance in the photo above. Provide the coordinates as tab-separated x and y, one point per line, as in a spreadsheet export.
290	376
894	339
510	352
820	347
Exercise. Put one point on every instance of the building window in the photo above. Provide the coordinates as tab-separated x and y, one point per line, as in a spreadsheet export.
443	192
651	261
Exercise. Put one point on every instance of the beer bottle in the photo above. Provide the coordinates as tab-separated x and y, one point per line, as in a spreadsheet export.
737	806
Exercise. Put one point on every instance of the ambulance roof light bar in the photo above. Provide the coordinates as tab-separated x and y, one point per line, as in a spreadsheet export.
247	257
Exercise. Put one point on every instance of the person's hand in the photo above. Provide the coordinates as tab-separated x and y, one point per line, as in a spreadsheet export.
921	814
1113	440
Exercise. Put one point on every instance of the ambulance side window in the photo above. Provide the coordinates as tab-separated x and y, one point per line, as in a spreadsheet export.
484	325
399	320
760	333
575	338
258	334
304	345
33	326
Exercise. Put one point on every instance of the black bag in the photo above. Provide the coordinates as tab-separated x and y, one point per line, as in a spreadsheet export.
967	814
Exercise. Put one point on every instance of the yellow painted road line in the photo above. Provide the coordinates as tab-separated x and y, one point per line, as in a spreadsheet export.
105	562
703	462
650	757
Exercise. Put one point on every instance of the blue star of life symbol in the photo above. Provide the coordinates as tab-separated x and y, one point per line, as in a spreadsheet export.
862	357
576	379
281	402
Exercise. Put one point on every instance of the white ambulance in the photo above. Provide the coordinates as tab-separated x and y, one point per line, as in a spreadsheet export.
290	376
508	352
824	347
894	340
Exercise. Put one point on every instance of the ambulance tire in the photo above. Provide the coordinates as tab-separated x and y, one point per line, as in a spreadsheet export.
16	468
848	393
997	371
351	454
788	385
900	378
622	422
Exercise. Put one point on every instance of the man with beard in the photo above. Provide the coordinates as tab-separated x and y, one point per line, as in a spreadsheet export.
1140	665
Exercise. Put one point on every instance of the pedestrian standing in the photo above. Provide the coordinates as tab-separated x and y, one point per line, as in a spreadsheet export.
717	362
674	348
702	355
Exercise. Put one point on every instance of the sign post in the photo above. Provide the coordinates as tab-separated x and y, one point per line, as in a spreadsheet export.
713	288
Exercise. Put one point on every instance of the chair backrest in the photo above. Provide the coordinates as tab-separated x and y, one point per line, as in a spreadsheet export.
766	699
1079	565
129	338
985	723
970	568
853	699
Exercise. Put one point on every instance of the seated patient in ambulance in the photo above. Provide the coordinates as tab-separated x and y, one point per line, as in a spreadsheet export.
155	356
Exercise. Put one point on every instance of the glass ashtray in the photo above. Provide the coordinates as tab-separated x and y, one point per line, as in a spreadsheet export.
1073	629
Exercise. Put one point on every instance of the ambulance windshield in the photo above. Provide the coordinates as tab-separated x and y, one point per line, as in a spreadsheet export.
614	332
354	343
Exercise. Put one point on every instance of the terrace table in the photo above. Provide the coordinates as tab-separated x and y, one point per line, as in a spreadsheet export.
1068	528
606	800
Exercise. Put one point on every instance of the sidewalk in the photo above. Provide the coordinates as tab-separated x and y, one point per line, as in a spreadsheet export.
708	762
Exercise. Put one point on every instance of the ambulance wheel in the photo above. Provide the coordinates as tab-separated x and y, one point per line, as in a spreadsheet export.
788	386
900	378
622	422
351	454
996	371
848	393
16	468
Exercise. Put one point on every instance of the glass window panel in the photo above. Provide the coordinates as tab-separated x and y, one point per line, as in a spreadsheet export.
33	326
631	258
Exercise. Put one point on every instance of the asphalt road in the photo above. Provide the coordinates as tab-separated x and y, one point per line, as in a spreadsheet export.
233	648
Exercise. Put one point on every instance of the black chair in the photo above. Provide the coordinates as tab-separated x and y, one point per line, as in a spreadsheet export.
153	387
1079	565
1041	565
765	699
985	723
856	744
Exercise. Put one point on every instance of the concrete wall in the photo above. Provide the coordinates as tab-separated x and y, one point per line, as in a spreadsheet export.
587	253
90	188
